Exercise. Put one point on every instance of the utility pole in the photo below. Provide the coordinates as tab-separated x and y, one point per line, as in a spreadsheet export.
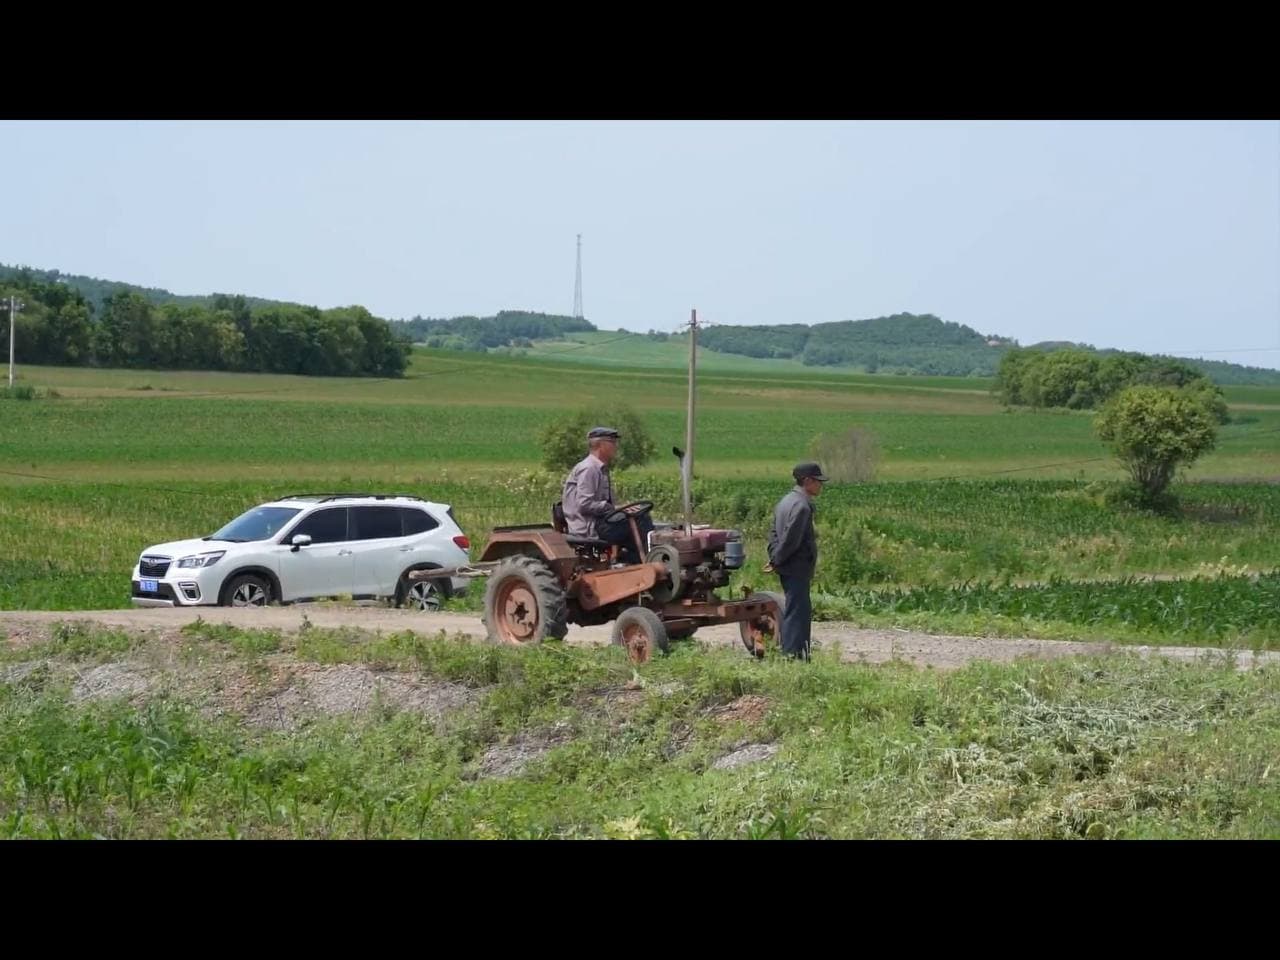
688	432
14	307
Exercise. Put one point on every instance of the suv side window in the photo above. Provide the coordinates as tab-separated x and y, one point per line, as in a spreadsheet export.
375	523
324	526
417	521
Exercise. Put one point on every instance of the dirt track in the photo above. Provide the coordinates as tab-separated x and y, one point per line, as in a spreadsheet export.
855	644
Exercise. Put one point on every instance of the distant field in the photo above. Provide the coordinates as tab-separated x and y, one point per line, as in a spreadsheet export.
616	349
471	414
635	350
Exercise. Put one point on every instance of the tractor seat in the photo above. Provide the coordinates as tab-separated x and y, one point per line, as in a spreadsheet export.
562	526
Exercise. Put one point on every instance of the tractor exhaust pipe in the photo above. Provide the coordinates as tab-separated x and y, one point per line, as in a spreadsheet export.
684	488
686	458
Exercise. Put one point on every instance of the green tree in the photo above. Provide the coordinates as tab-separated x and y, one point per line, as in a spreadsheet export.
1154	430
564	439
1011	376
126	334
1067	378
1205	391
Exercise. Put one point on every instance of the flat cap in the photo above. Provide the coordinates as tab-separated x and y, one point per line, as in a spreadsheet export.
603	433
803	470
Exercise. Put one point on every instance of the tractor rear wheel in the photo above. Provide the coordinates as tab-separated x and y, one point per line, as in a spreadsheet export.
524	603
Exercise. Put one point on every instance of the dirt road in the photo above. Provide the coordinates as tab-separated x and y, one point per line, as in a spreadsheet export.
854	644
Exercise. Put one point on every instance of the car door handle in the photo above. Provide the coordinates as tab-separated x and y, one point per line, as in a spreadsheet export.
406	549
344	553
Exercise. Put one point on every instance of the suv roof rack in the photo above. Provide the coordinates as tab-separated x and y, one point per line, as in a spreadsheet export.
326	497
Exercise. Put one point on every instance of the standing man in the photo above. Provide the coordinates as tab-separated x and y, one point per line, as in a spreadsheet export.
587	498
793	554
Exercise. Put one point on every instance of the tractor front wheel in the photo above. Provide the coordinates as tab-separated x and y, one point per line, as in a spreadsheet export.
764	629
641	632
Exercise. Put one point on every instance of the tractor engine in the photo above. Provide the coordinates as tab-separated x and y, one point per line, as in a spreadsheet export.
704	558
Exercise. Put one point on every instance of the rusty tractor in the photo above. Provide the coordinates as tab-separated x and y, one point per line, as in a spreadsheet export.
541	579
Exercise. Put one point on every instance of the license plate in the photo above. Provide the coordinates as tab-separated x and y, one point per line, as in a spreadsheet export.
149	586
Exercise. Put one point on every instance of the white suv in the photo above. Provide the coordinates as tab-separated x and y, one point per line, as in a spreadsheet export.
308	546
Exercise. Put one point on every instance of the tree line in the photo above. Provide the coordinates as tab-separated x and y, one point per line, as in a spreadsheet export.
58	325
1080	380
96	290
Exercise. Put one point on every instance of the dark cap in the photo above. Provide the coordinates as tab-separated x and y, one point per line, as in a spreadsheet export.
804	470
603	433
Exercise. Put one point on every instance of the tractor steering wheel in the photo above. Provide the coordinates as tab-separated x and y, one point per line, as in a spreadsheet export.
637	509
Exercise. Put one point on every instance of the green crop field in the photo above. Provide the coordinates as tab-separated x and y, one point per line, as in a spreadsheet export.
966	491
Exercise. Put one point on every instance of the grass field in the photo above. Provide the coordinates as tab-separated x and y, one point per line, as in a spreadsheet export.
219	732
981	521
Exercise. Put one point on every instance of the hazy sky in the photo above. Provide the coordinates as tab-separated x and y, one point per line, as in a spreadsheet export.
1141	235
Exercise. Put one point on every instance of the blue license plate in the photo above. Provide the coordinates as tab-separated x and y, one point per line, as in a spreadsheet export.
149	586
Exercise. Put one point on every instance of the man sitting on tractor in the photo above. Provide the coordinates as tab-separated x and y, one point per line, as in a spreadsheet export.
588	498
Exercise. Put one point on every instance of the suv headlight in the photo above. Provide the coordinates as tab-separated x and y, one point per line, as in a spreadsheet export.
201	560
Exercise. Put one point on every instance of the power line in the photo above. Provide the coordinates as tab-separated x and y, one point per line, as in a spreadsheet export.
1237	350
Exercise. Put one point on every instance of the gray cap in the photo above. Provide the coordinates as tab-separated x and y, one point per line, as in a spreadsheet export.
603	433
804	470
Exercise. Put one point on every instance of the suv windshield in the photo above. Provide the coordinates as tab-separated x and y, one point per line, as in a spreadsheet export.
260	523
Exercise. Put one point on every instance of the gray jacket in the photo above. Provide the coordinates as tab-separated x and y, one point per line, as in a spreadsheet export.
587	497
793	541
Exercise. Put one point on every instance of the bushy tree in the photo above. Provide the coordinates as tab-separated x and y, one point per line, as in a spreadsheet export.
564	439
1154	430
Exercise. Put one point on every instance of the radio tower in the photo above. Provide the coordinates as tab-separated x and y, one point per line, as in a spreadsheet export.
577	283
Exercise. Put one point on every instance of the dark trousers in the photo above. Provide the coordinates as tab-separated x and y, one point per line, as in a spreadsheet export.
797	617
620	533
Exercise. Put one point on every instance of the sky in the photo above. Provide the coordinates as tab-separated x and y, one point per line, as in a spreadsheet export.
1154	236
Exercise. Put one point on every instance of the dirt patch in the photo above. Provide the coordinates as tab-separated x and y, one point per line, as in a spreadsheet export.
504	760
17	672
108	681
20	637
752	753
346	689
749	709
612	704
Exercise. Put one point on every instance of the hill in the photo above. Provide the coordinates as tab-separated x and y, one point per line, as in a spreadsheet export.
96	290
904	343
507	328
901	343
